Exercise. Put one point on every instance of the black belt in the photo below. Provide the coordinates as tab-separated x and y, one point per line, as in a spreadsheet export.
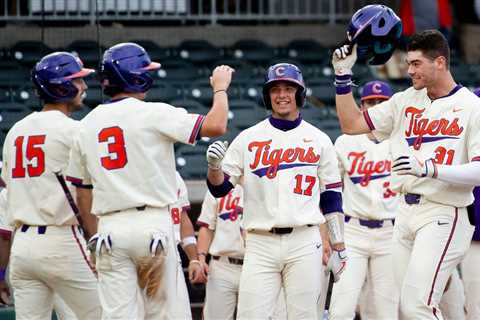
284	230
140	208
372	224
40	229
412	198
236	261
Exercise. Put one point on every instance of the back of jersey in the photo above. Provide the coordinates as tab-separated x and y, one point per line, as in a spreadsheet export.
35	148
125	150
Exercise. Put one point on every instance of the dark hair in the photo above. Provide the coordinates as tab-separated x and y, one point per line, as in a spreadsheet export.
432	43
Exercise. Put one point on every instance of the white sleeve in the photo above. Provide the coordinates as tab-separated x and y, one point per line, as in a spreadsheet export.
233	162
464	174
381	118
208	215
328	173
77	172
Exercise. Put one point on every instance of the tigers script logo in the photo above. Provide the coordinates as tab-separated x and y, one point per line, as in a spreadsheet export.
367	170
279	159
439	129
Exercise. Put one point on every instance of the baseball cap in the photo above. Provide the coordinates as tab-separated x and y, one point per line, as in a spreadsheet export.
376	90
477	91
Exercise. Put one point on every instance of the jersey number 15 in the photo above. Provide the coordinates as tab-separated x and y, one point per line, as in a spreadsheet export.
34	155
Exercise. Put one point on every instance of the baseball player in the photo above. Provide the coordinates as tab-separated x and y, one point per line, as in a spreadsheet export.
123	160
433	122
369	205
469	265
288	167
48	252
62	310
221	235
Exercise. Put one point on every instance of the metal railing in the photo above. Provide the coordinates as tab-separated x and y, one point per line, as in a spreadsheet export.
209	11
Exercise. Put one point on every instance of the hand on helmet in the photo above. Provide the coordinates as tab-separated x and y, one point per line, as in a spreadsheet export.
343	59
221	78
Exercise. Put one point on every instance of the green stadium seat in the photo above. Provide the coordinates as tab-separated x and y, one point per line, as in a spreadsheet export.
27	96
162	92
88	51
9	118
28	53
199	52
308	51
13	75
156	53
192	106
176	70
254	51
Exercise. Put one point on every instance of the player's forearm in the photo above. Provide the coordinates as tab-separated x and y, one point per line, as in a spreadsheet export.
205	237
5	245
215	123
463	174
187	234
350	117
84	202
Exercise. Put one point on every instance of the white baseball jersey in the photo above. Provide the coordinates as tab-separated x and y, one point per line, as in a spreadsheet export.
446	129
5	227
366	167
179	206
224	216
129	167
285	171
35	148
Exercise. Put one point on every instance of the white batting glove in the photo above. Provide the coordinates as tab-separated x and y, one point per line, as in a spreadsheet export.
343	59
337	263
215	154
412	166
99	240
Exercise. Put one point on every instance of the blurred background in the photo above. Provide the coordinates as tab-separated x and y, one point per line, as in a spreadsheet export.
190	37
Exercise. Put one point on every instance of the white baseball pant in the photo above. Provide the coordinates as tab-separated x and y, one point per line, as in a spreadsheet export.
453	300
222	287
471	280
62	310
131	232
369	257
429	241
293	261
55	261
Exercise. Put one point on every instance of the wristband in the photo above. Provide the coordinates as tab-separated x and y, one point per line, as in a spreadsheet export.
188	241
195	261
343	84
224	90
2	274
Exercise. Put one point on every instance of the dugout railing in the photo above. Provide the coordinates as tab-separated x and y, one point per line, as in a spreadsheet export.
204	11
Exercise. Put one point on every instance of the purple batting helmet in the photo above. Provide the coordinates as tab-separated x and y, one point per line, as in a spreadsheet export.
53	75
376	30
284	72
125	67
376	90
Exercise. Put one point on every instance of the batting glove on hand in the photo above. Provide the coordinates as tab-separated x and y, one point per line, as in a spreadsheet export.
344	58
337	263
215	153
97	241
412	166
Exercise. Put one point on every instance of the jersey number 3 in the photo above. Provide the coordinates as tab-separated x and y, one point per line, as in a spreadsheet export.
117	154
33	153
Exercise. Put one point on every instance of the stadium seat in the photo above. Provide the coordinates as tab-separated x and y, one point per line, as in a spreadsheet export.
254	51
9	118
28	53
162	92
5	95
192	106
94	96
156	53
308	51
322	92
191	161
80	114
88	51
27	96
199	52
245	118
201	91
13	75
175	70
